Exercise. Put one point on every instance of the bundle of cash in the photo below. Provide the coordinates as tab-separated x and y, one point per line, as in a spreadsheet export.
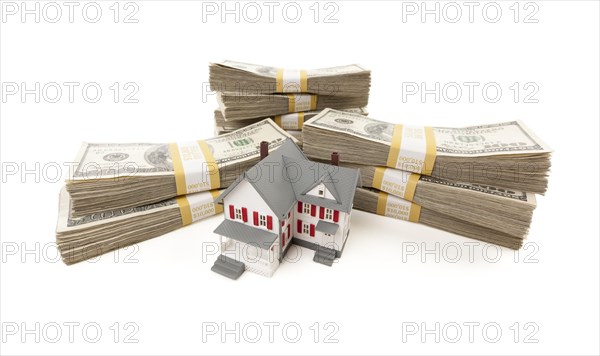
506	154
119	176
92	235
291	123
249	106
381	203
245	78
490	207
296	134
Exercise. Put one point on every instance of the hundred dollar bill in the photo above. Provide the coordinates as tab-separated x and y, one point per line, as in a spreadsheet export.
491	207
505	154
381	203
234	106
297	134
116	175
245	78
91	235
290	121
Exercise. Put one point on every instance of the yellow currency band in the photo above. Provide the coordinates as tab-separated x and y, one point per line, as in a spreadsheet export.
430	152
430	149
395	146
186	211
301	119
303	81
214	176
178	169
409	190
292	102
378	177
413	216
279	81
381	203
411	186
415	213
218	207
299	123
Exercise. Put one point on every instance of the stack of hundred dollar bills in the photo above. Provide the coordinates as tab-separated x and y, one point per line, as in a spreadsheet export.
123	193
477	181
247	93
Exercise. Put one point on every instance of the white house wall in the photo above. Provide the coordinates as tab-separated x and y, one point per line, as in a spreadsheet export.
315	192
287	221
338	238
244	195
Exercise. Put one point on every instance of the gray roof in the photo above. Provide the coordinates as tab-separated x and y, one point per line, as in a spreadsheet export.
340	181
286	175
327	227
246	234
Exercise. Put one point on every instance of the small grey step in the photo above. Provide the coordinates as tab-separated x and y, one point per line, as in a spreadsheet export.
324	256
228	267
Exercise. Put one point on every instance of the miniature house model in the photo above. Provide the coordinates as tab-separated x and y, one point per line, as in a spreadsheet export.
284	199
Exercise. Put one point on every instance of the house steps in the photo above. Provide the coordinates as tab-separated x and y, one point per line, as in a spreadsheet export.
228	267
324	255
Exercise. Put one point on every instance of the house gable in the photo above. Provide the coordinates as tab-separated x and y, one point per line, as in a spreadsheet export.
339	181
320	191
245	196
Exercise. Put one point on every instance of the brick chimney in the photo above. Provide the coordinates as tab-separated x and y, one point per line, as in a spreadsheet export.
264	149
335	159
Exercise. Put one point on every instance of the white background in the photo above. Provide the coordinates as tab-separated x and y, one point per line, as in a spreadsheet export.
377	292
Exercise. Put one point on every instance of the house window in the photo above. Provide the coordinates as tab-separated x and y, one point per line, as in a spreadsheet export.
328	214
238	214
305	229
321	190
306	208
262	221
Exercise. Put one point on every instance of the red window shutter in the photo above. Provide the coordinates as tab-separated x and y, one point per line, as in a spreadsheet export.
299	206
255	218
312	230
283	240
231	212
282	223
313	210
322	213
289	213
299	229
336	216
288	231
269	222
245	214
